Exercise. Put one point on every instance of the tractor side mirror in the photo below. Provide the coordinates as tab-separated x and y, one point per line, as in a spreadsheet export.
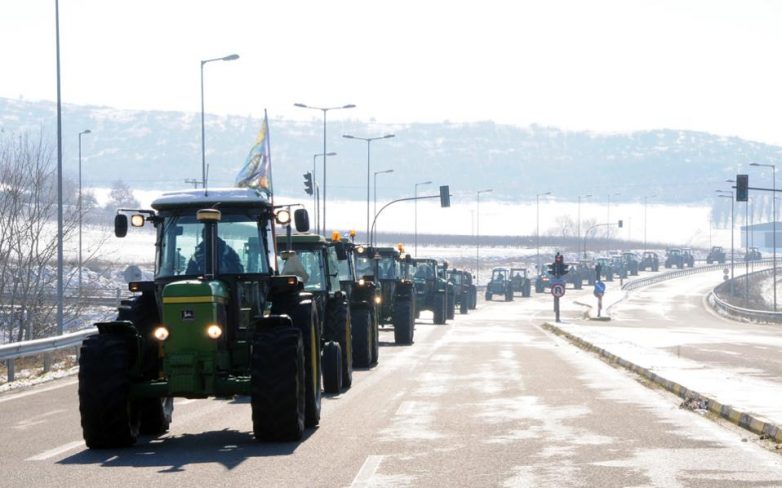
120	225
342	253
302	220
408	259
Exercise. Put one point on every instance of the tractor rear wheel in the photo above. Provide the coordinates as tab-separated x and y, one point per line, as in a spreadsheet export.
438	309
488	296
278	384
108	417
332	367
305	318
375	336
451	304
403	322
339	326
362	337
463	306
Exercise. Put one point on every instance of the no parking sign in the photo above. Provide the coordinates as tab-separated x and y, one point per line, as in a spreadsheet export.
558	290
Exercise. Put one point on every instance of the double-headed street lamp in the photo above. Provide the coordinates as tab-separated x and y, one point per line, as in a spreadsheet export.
374	188
773	222
325	153
368	141
230	57
316	189
537	229
478	233
86	131
415	213
608	212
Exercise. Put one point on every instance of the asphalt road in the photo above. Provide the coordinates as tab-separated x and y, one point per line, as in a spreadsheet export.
489	400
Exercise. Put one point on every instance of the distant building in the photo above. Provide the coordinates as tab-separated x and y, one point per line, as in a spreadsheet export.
761	236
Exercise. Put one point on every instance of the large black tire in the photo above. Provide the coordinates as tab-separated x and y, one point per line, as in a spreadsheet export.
451	304
526	290
438	308
463	305
155	415
332	367
108	417
305	318
473	298
376	337
339	325
403	322
509	294
488	296
656	267
362	337
278	385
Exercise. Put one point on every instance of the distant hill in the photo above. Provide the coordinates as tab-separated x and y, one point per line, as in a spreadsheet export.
158	150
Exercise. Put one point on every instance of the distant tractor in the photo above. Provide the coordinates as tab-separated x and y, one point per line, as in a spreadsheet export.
461	289
689	257
650	261
604	267
364	297
520	282
631	263
499	285
753	254
674	258
397	300
217	321
315	262
431	290
716	255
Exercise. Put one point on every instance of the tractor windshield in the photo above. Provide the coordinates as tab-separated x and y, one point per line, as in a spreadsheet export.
387	268
364	266
308	265
423	270
240	246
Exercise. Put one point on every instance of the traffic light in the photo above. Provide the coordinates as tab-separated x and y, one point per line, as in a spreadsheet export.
742	188
308	183
445	196
620	224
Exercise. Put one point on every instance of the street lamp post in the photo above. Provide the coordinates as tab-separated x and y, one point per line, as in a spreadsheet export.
773	223
608	213
315	194
86	131
59	177
537	229
368	141
729	194
578	233
478	233
374	189
325	153
415	218
230	57
646	203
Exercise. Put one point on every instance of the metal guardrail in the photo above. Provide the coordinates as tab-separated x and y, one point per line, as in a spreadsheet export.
650	280
741	313
11	352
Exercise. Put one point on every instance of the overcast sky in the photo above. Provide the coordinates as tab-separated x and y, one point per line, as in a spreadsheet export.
599	65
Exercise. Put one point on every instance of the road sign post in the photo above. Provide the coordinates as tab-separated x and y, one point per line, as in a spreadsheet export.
600	289
558	269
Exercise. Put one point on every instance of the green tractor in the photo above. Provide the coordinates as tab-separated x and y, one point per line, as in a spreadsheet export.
450	295
315	262
217	321
384	266
461	289
364	297
431	289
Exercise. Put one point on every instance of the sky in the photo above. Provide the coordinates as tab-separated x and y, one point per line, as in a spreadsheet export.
604	66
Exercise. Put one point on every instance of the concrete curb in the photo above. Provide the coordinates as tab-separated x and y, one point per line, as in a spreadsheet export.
742	419
588	313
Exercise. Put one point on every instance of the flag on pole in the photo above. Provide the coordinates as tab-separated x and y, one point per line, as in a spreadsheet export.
257	169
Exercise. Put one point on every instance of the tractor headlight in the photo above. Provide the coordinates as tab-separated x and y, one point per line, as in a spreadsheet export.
214	331
160	333
378	300
361	282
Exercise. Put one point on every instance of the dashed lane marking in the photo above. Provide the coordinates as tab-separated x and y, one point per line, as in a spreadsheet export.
56	451
367	472
36	391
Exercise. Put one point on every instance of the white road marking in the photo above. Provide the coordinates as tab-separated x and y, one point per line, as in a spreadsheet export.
367	472
38	419
406	408
36	391
56	451
183	401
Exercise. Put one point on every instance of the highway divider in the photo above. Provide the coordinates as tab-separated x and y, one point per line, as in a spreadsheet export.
722	306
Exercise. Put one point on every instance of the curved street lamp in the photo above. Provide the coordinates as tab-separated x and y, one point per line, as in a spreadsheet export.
368	141
230	57
478	232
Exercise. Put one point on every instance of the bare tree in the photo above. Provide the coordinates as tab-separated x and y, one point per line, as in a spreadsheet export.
28	238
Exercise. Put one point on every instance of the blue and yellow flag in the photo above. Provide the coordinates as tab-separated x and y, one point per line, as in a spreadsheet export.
257	169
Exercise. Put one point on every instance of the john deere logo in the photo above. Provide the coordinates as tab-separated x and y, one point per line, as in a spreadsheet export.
187	315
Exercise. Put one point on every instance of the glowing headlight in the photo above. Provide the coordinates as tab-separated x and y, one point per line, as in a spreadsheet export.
360	249
378	300
283	217
361	282
214	331
160	333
